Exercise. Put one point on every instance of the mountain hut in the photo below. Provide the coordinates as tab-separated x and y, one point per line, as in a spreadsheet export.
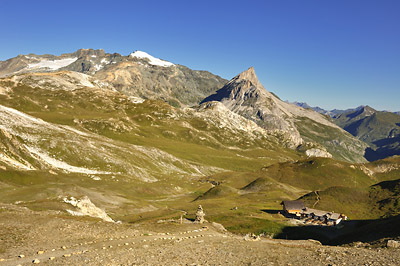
293	206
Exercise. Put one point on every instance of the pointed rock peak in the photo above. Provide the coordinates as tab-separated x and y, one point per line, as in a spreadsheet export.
362	111
249	75
368	108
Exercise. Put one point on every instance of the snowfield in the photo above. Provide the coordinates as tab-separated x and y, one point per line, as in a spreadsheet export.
53	64
152	60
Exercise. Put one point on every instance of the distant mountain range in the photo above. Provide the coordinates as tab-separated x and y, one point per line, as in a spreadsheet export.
333	112
381	130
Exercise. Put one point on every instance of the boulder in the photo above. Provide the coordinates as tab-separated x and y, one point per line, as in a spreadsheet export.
393	244
219	227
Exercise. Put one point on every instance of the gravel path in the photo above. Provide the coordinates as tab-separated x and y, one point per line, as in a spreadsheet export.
53	238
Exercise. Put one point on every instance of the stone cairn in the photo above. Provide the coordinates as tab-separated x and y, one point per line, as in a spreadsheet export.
200	215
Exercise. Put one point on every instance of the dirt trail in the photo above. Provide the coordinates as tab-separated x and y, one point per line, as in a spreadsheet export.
82	241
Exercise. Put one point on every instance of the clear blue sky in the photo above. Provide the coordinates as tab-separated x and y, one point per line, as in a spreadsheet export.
334	54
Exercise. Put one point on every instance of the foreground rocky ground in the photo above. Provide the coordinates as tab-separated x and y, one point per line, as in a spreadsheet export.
54	238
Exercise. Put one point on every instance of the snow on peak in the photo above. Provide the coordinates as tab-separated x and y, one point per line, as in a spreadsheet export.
152	60
53	64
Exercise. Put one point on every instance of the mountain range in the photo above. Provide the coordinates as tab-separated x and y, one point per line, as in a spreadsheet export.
379	129
334	112
142	135
138	74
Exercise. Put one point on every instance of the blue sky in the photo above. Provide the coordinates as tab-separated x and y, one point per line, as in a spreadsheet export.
332	54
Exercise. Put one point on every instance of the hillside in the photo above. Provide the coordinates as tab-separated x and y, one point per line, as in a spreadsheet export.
63	135
381	130
380	199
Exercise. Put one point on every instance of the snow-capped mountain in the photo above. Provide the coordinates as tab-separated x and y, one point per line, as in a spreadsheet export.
138	74
151	59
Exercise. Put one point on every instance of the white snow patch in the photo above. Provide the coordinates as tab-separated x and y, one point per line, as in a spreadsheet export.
63	165
53	64
97	67
94	56
152	60
103	62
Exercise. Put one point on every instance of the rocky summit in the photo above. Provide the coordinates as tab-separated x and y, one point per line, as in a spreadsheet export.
245	95
112	159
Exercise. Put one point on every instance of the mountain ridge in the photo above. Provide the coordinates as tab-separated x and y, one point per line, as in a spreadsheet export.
142	76
245	95
381	130
132	75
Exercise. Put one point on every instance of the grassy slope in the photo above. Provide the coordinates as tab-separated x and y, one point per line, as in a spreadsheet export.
147	124
370	128
340	144
318	173
247	188
379	200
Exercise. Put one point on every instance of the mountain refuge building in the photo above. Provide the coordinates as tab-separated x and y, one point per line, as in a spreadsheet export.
293	207
311	216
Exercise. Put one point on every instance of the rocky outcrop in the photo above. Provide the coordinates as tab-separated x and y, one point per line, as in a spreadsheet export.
318	153
85	207
393	244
